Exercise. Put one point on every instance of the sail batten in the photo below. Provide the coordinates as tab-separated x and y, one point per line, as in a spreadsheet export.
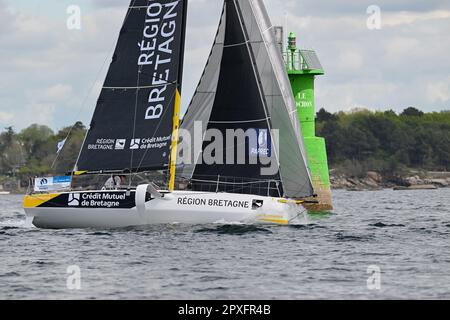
133	122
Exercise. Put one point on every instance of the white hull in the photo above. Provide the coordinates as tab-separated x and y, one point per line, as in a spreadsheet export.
178	207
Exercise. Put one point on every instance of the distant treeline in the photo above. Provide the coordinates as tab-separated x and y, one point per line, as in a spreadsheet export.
357	142
386	142
33	151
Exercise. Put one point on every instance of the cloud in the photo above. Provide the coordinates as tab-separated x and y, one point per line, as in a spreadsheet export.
357	7
109	3
439	91
40	113
409	18
6	117
58	93
48	71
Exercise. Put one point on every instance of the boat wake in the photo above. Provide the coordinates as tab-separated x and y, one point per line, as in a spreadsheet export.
17	223
301	219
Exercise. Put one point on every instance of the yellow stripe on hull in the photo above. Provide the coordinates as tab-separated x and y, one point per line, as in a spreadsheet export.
291	201
272	219
33	201
283	221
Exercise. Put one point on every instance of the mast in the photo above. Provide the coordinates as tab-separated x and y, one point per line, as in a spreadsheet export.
177	106
175	136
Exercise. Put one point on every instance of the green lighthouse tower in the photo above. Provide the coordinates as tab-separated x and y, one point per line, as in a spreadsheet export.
303	66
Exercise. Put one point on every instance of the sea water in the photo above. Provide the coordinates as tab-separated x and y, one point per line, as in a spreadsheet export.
375	245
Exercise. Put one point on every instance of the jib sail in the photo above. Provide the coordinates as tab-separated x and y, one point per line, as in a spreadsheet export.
245	87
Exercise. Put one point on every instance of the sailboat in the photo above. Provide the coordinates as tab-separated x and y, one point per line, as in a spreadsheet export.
136	132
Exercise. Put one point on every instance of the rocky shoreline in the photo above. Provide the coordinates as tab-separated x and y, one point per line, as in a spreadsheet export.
375	181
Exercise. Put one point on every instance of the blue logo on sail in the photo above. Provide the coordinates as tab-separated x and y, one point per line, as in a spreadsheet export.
262	147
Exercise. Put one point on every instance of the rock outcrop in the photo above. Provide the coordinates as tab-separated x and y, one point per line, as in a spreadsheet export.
374	181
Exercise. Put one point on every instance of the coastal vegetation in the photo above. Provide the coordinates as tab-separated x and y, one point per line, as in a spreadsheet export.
388	143
33	152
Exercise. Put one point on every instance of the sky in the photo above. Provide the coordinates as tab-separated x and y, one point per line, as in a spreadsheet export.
52	75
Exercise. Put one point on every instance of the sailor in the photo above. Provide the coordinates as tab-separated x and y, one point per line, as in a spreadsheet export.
112	183
123	181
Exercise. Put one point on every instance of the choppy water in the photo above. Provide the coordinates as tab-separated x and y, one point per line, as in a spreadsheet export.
406	234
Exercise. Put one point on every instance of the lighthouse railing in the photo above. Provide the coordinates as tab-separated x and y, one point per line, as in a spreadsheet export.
300	60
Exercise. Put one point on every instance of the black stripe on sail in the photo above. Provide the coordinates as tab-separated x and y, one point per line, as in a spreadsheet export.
133	121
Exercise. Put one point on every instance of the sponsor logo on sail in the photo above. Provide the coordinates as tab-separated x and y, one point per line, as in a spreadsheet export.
120	144
262	147
102	144
135	144
157	52
74	200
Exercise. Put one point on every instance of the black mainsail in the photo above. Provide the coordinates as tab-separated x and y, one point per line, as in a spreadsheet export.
134	118
250	90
